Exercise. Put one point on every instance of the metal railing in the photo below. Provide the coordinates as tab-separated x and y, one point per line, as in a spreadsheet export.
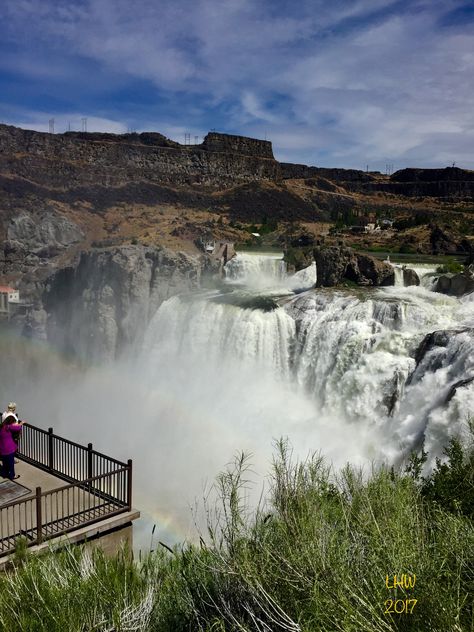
66	459
98	487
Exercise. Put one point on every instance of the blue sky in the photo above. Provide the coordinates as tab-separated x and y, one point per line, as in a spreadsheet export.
343	83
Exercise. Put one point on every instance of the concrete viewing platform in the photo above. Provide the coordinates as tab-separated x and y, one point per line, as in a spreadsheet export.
65	493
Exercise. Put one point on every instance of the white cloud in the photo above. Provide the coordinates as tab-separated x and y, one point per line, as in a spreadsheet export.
339	82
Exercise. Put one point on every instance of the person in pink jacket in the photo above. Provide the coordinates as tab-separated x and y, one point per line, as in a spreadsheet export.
8	446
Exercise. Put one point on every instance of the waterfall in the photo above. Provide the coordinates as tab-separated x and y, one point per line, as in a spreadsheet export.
360	375
398	270
303	279
200	329
350	360
355	354
256	269
425	272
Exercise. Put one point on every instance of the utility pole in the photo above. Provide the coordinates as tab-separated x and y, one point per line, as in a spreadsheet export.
84	123
187	138
51	126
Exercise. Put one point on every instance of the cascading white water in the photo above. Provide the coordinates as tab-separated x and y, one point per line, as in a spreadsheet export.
350	356
303	279
214	334
256	269
355	355
398	270
424	271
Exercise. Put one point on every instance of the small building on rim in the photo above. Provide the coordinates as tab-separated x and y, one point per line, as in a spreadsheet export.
8	295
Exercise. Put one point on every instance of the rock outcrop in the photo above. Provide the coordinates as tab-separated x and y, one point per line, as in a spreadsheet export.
455	284
337	264
410	277
67	161
34	240
450	182
103	304
48	230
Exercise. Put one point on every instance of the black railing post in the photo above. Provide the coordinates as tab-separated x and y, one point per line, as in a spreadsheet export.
89	462
39	517
129	484
50	450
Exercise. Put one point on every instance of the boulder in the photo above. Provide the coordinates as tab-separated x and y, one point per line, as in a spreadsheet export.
336	264
410	277
455	284
331	264
375	271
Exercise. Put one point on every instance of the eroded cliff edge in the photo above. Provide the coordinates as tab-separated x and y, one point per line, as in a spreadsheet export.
101	305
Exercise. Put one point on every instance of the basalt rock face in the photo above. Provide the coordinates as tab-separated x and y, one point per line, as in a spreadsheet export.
45	231
33	241
103	304
335	265
354	176
65	161
228	143
450	182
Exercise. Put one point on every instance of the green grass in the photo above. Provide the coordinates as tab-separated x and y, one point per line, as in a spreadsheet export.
408	257
313	557
450	266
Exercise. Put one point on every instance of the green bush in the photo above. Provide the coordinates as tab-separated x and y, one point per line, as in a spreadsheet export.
451	266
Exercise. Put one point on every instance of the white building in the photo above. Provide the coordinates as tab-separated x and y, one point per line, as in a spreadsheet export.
8	295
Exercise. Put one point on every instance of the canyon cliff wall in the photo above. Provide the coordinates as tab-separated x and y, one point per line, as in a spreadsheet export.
77	159
64	161
102	304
